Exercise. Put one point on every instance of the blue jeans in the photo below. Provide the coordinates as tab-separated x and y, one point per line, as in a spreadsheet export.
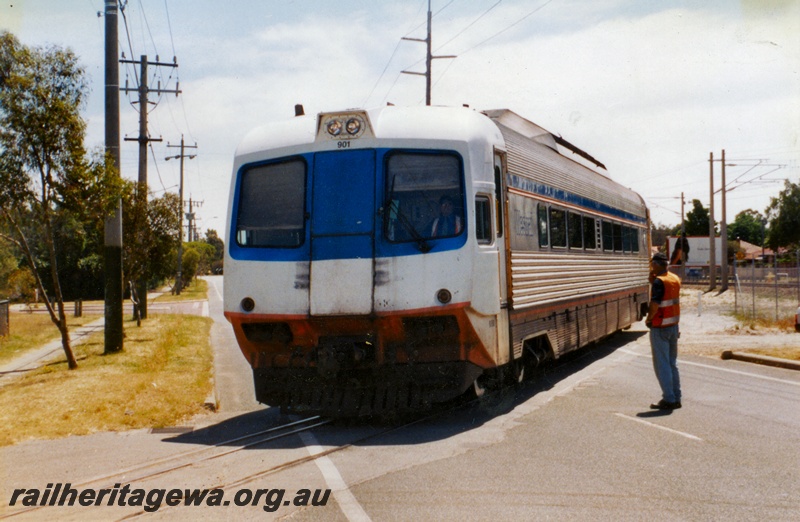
664	344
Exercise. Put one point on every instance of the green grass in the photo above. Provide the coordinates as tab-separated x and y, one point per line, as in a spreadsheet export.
196	291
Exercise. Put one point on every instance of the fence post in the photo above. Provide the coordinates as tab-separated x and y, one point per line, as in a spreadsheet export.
4	318
753	284
777	277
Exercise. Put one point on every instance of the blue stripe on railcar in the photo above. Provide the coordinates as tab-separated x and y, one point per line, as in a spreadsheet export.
533	187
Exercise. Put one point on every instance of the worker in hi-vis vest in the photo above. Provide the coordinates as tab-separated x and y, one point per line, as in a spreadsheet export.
663	317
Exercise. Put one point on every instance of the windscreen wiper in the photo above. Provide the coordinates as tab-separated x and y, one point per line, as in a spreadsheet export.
422	245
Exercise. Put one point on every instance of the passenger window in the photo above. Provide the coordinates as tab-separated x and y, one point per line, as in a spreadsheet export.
575	230
617	237
608	236
544	237
483	220
558	227
589	234
628	238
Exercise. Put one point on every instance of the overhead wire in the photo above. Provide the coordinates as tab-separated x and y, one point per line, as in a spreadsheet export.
388	63
470	25
520	20
509	27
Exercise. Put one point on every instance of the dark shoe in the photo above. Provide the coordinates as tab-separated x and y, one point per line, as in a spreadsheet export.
665	405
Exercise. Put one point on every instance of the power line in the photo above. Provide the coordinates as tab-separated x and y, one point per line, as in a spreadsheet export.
382	73
507	28
143	15
169	26
470	25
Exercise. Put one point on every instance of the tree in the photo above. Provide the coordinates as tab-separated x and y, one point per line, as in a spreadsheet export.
152	237
45	175
748	226
189	264
213	239
206	254
784	218
697	220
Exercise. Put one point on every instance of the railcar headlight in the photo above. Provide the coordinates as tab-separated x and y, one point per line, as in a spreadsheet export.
334	127
444	296
353	126
248	304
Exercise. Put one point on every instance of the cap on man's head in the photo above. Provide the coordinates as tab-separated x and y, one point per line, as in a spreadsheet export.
660	258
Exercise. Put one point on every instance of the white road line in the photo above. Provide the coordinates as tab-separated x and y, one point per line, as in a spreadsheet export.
341	492
676	432
216	289
737	372
205	309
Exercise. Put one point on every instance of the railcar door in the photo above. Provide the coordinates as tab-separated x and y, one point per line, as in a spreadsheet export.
342	233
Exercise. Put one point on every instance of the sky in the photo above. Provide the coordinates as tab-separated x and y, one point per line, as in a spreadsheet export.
650	88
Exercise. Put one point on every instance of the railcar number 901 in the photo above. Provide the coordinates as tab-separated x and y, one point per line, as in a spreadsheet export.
343	144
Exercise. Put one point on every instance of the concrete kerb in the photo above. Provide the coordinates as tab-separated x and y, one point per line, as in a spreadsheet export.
212	401
761	359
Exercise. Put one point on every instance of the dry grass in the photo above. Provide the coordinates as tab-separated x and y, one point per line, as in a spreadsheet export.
32	330
785	352
760	322
161	378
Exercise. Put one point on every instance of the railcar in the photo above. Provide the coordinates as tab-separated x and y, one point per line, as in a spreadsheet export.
389	259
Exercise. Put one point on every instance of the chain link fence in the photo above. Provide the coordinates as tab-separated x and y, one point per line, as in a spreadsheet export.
766	292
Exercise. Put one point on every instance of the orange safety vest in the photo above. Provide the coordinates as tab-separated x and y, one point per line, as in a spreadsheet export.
669	309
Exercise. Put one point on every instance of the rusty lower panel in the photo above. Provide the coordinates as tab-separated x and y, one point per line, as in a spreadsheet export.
351	365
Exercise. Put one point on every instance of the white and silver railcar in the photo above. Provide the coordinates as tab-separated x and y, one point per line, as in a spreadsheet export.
353	289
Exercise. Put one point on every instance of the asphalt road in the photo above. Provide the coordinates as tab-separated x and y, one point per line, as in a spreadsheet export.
582	444
576	443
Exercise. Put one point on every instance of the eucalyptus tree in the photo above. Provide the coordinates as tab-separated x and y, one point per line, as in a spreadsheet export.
46	175
784	218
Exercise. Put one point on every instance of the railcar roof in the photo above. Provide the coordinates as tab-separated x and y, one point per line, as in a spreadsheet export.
422	122
447	123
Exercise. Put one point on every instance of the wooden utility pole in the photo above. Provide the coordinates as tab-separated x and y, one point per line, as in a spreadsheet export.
428	58
724	232
179	277
683	240
191	228
141	190
114	284
712	255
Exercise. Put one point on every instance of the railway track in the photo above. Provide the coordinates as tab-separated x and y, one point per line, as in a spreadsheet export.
165	467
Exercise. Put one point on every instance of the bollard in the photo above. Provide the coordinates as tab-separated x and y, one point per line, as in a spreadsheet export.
78	307
699	304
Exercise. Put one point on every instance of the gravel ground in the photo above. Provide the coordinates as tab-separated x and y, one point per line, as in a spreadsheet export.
708	327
